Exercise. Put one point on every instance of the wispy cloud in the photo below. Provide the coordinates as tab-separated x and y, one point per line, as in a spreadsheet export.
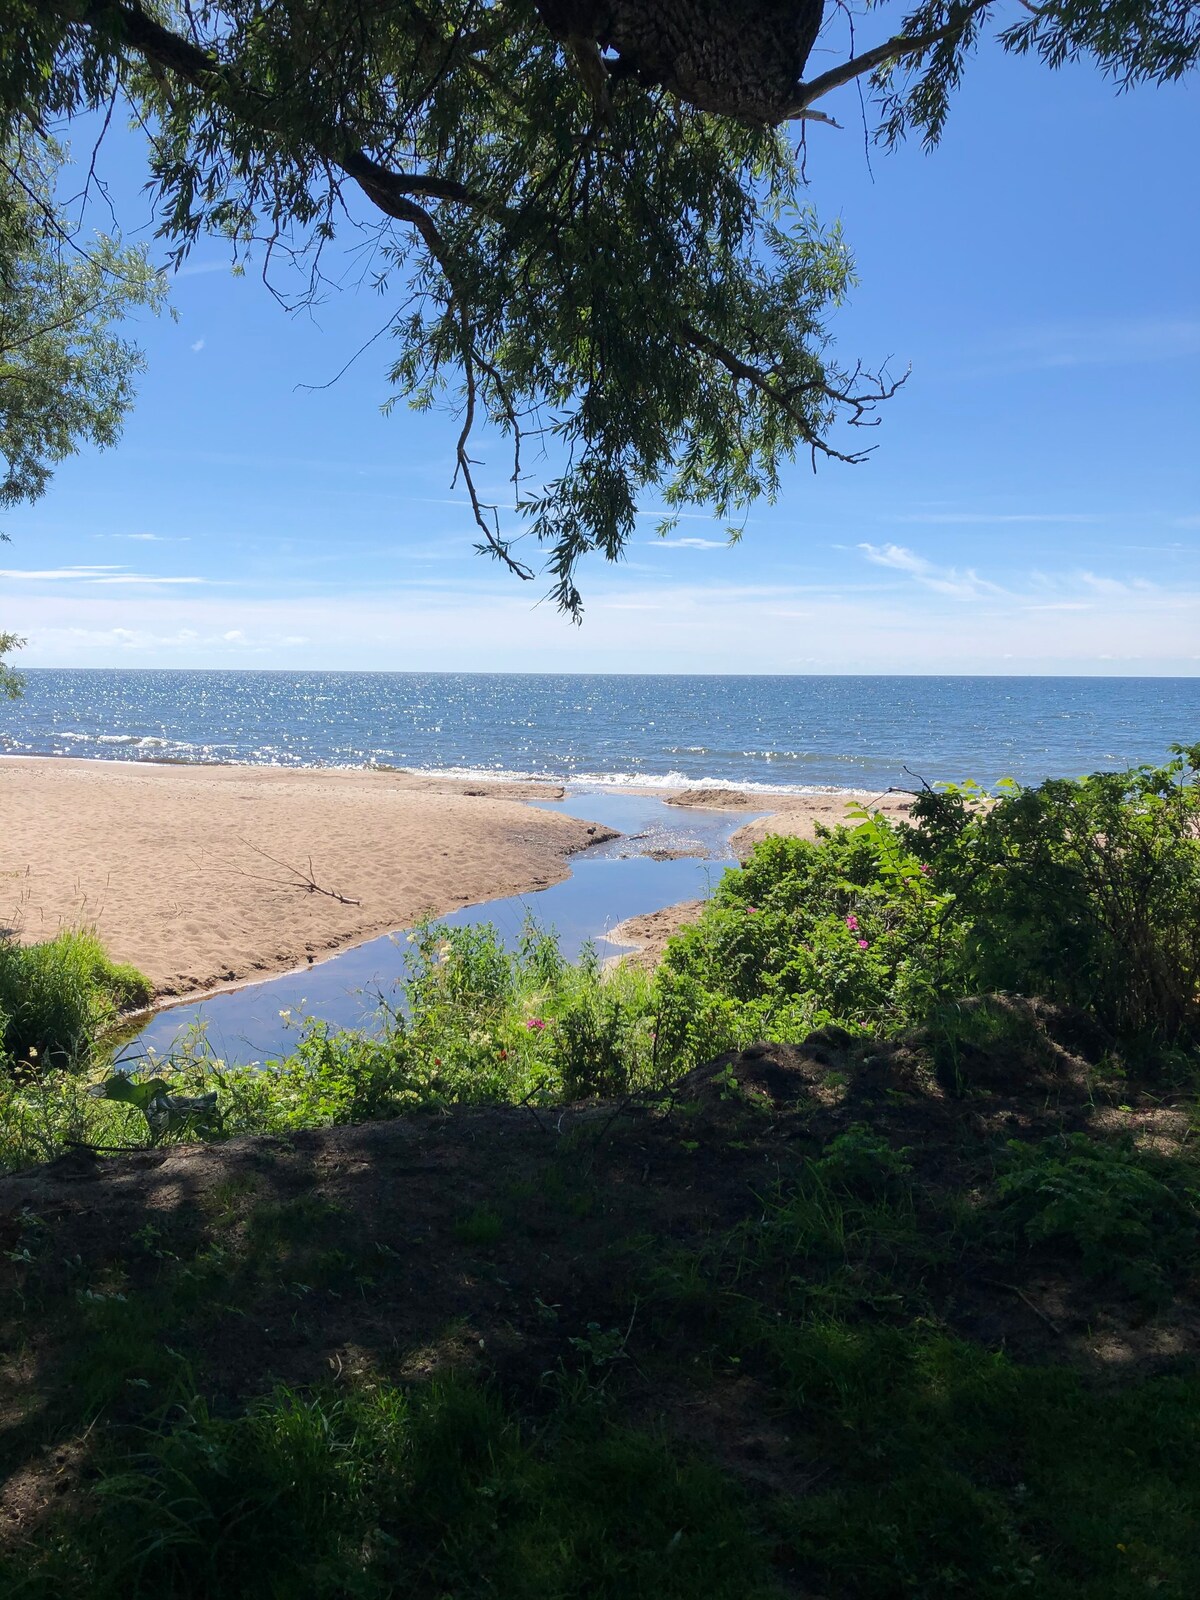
54	574
89	574
148	578
197	269
688	628
1117	588
1079	590
689	544
960	583
198	346
1110	341
146	538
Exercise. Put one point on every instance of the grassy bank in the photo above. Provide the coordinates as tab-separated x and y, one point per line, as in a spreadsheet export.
854	1253
57	1000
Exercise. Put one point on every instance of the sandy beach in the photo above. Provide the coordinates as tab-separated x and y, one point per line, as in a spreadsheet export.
199	875
171	863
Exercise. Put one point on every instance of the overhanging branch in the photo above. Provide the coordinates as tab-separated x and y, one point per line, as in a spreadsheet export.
385	187
894	49
767	383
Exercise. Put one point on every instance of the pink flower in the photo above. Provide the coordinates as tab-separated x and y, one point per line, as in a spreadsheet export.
852	924
863	945
926	871
537	1023
751	910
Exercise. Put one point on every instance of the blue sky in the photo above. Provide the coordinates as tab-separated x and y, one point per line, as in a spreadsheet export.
1033	504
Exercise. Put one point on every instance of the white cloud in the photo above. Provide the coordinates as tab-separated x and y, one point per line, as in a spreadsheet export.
1116	586
629	626
149	578
962	585
196	269
55	574
198	346
146	538
690	544
90	574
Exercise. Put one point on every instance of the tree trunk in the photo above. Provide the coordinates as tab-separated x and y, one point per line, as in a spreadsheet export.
736	58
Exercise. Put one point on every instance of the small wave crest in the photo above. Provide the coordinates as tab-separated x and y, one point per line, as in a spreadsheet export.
623	780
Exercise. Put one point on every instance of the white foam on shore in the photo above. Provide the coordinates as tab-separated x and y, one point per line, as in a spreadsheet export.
149	750
630	780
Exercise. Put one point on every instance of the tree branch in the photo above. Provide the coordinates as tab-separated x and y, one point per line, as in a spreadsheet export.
765	382
382	185
891	50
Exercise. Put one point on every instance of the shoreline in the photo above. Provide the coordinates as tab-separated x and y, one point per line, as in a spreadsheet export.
650	786
217	877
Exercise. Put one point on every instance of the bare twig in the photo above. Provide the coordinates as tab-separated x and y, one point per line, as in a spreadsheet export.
1036	1309
306	880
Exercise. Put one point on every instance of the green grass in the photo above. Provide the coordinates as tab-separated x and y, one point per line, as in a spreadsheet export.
482	1025
443	1491
58	997
911	1461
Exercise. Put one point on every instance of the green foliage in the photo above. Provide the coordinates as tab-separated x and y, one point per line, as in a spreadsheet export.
381	1492
474	1023
847	929
166	1112
66	376
1126	1215
940	1466
1086	892
1083	892
11	683
57	997
955	1471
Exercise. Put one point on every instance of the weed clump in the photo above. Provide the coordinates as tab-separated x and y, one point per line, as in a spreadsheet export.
58	997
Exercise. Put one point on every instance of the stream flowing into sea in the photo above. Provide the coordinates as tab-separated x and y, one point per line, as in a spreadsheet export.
624	877
598	734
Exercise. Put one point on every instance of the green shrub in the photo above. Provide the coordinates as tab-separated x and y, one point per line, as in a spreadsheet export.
847	929
57	997
1086	892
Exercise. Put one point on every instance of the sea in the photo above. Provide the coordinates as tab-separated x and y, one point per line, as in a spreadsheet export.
758	733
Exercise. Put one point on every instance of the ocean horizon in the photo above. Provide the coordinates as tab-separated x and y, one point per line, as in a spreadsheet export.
801	734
